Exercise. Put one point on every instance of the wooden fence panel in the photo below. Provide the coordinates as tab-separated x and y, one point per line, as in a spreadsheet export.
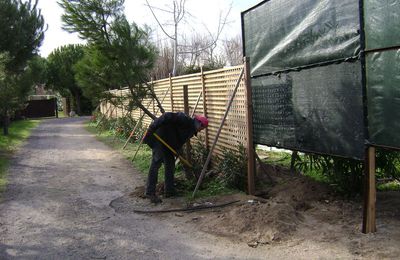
218	86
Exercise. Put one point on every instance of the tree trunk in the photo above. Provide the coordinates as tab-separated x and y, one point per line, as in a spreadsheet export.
145	110
6	123
78	103
175	50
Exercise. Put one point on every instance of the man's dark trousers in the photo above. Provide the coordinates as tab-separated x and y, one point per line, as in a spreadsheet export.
161	154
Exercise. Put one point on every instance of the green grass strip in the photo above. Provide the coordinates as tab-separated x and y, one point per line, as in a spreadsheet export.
18	132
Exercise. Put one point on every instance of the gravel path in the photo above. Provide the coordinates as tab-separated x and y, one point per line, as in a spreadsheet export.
57	206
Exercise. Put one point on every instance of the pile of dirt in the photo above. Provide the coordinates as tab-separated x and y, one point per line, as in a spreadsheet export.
273	218
255	221
293	210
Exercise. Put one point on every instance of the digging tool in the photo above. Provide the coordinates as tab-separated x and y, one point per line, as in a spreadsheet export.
172	150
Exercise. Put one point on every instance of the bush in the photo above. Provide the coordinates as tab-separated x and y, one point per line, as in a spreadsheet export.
123	127
232	168
120	127
347	174
199	157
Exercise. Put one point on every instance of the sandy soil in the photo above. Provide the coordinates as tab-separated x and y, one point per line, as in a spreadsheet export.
298	218
71	197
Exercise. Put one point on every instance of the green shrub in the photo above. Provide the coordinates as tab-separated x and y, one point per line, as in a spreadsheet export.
120	127
232	168
346	175
123	127
199	157
388	164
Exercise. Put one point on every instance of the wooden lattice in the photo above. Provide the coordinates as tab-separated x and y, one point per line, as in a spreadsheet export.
218	86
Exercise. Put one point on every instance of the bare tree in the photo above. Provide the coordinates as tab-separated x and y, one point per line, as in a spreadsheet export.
179	14
164	61
234	50
201	50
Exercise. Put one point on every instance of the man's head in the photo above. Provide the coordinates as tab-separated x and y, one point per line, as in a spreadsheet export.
201	122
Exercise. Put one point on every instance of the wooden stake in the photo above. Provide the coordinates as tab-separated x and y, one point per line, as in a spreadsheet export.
140	144
104	115
203	85
137	124
187	147
185	99
197	102
249	123
218	133
369	218
97	108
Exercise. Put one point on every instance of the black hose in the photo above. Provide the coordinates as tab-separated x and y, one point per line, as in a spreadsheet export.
201	207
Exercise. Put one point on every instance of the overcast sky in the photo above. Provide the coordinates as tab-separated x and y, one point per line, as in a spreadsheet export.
203	14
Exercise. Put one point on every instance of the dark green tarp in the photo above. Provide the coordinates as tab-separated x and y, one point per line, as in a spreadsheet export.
284	34
382	23
306	75
317	110
383	92
382	31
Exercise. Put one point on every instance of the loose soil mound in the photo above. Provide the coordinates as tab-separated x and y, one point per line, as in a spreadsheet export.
293	211
260	221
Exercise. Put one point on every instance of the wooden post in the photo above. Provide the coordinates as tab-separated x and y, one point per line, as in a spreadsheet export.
249	124
185	99
203	85
293	160
137	124
369	218
188	147
171	93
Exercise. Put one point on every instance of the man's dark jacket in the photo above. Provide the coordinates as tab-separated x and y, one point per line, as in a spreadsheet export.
174	128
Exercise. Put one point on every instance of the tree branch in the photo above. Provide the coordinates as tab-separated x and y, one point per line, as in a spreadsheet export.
158	22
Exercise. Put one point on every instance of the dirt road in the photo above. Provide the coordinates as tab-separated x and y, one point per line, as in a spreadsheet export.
57	206
72	197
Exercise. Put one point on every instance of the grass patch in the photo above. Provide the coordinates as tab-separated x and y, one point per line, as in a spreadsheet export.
284	159
210	187
276	158
389	186
18	132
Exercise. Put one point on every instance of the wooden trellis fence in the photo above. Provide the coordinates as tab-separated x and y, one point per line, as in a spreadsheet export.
217	87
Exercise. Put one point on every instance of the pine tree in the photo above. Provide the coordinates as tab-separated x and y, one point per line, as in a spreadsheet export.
22	32
119	54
